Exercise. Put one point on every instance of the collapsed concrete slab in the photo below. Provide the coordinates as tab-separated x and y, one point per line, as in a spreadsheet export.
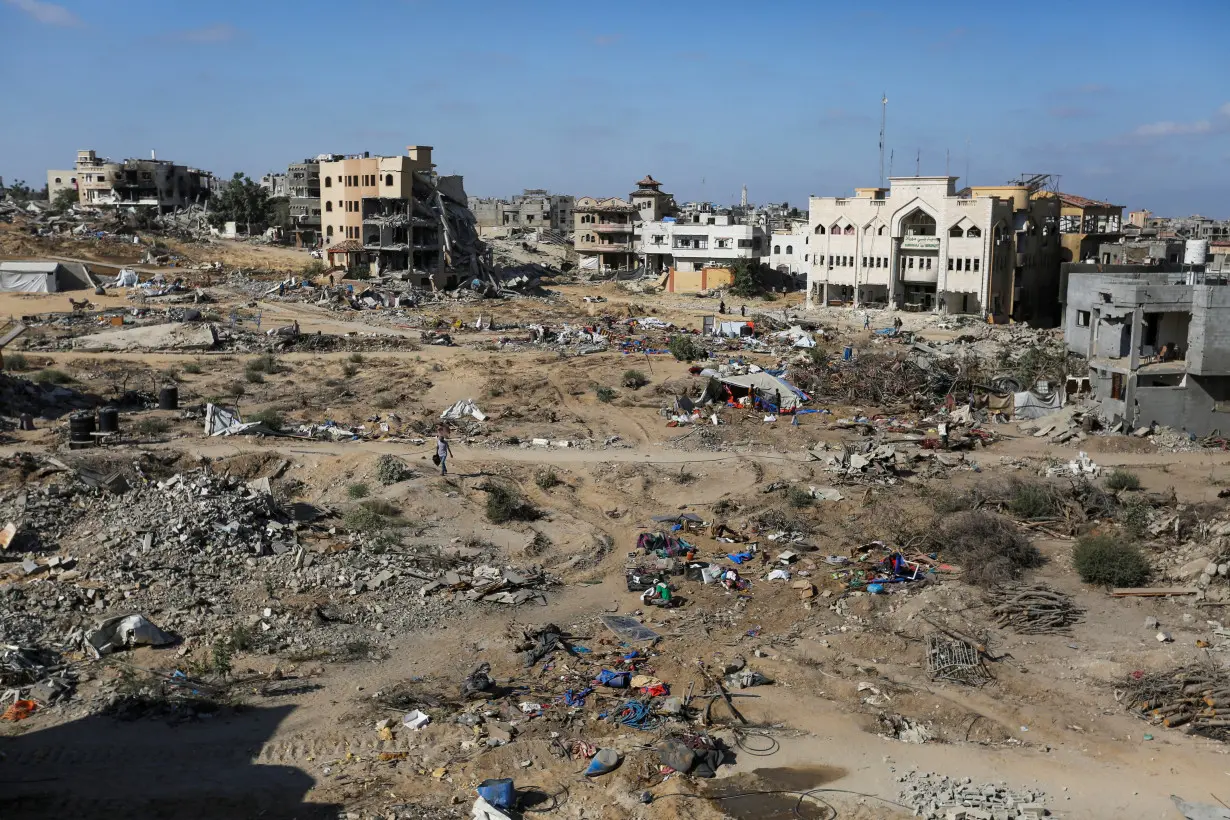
153	337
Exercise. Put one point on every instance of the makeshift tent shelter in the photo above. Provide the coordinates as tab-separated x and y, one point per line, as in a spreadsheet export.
1032	404
768	385
43	277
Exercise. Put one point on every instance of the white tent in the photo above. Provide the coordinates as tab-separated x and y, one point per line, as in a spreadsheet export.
28	277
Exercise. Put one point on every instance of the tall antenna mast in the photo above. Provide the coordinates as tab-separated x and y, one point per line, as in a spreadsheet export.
883	122
917	162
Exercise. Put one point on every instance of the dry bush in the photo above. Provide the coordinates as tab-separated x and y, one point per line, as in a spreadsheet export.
988	547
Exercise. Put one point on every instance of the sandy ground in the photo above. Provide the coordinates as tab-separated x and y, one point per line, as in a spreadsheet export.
1049	719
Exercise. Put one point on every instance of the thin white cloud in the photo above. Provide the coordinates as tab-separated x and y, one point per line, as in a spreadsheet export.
209	35
1167	128
47	13
1170	128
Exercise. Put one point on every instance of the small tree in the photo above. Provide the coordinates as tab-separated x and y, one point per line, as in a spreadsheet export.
242	201
748	278
64	200
22	193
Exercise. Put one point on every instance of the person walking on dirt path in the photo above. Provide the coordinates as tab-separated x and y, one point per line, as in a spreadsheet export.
443	451
722	306
866	321
743	311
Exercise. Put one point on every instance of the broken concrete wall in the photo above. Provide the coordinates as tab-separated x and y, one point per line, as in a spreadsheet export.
1208	338
1201	406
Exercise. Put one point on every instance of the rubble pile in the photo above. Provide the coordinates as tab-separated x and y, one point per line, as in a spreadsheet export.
18	396
199	553
937	797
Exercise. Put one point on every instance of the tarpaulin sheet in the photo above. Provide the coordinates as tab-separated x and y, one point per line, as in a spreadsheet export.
20	282
768	385
1001	403
1030	405
732	330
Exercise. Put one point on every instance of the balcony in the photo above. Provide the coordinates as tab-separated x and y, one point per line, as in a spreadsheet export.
604	247
611	227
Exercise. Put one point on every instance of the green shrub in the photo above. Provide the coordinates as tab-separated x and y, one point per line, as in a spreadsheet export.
1109	561
989	547
547	479
349	370
269	417
1121	479
356	358
634	379
1032	499
192	367
382	507
390	469
16	362
254	376
52	376
385	401
153	426
357	490
686	348
605	394
505	504
371	517
1134	516
799	497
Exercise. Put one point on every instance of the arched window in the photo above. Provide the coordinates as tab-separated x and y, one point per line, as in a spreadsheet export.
329	230
328	205
974	233
819	229
777	249
955	232
789	249
388	179
58	180
919	223
328	182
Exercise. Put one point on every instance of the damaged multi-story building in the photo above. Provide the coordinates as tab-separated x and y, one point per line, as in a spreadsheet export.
396	217
607	231
133	183
920	245
532	209
1084	225
303	188
1156	342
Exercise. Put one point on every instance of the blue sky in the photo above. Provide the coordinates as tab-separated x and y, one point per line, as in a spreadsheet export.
1128	101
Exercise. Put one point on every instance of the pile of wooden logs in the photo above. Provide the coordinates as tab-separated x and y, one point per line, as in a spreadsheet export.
1034	609
1190	698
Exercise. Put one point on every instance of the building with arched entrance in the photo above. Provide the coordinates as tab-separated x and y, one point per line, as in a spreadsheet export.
919	244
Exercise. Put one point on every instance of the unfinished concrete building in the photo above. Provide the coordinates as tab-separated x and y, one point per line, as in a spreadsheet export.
303	188
394	216
1157	344
532	209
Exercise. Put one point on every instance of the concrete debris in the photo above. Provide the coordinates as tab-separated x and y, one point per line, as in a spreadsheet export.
125	632
936	797
153	337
